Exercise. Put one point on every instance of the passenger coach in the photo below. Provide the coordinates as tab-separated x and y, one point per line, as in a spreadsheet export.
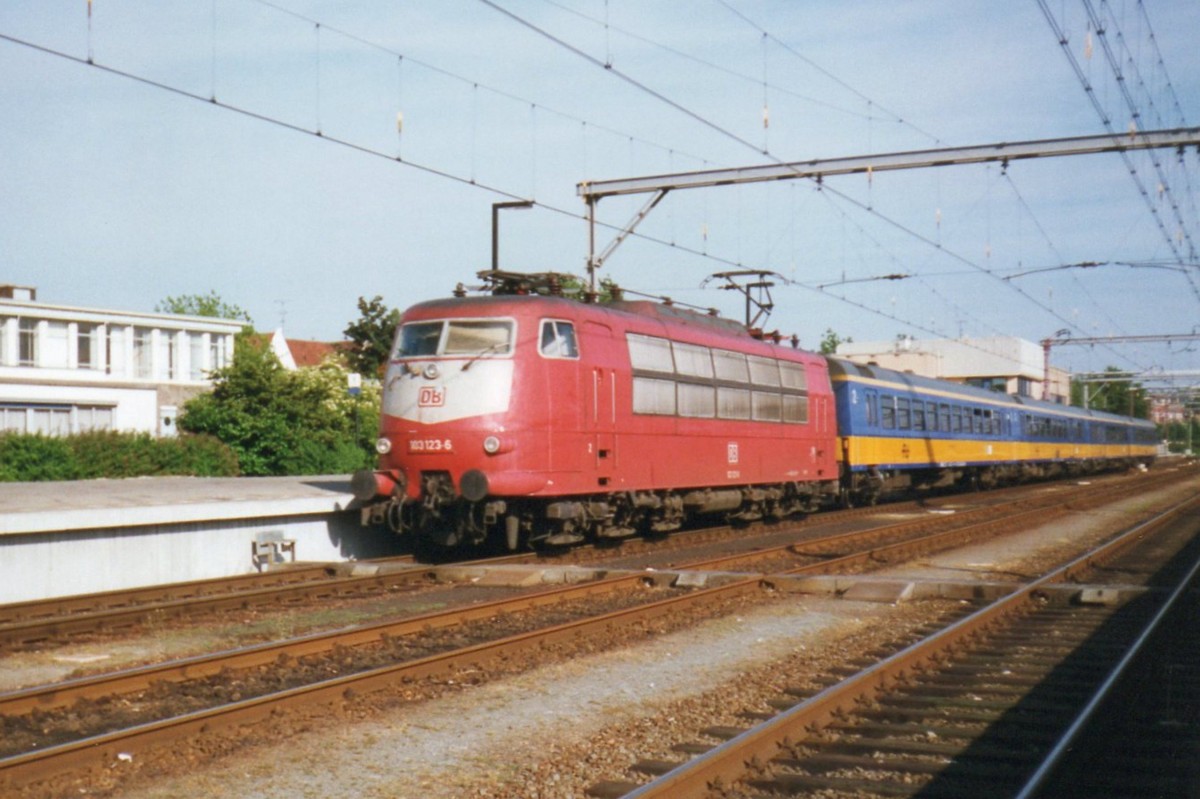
899	430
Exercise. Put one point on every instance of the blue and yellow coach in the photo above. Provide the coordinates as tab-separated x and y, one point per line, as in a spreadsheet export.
899	431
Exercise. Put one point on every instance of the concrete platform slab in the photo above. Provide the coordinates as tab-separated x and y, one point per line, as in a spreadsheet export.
139	501
888	591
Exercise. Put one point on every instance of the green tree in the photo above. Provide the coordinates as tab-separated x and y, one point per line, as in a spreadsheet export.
1118	395
831	340
280	422
209	304
372	335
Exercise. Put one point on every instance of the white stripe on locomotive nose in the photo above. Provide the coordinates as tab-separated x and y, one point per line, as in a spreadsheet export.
485	388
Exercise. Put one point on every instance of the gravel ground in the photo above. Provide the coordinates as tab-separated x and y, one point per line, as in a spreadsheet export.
428	751
555	730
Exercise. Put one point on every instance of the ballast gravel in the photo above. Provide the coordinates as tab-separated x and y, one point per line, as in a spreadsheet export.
494	739
556	729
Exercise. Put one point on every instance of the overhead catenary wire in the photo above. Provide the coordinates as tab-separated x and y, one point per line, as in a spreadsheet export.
436	172
470	179
1106	120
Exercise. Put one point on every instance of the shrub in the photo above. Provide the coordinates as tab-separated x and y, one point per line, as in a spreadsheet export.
35	457
111	454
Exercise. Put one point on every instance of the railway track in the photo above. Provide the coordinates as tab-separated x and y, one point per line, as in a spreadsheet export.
28	624
102	746
972	710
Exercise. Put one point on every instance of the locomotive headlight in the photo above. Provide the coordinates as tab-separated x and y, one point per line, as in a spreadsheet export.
491	445
383	445
431	371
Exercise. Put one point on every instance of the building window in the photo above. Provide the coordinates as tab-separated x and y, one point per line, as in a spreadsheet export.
55	348
50	420
28	343
93	417
53	419
143	354
87	347
168	354
4	341
13	420
114	352
195	356
216	348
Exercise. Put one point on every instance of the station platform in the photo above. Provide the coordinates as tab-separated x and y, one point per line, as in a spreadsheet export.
60	538
87	504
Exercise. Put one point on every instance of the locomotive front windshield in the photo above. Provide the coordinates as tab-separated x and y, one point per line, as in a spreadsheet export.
454	337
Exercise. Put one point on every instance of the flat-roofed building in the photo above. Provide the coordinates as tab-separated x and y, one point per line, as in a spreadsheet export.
66	369
1000	363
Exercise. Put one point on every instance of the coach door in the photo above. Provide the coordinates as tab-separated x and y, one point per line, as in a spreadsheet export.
603	411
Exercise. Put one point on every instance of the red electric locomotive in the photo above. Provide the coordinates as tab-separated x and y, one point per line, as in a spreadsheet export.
540	420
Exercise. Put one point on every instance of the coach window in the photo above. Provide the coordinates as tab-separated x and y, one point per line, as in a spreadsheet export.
887	409
903	414
691	360
731	366
650	353
763	371
944	416
653	396
558	339
918	415
872	409
766	406
792	375
795	409
733	403
695	401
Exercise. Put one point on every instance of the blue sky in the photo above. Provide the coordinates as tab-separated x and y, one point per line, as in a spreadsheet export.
118	194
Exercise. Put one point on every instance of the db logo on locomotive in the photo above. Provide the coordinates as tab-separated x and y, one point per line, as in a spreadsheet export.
430	397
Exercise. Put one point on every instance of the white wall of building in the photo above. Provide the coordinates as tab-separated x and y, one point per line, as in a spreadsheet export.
65	369
1019	363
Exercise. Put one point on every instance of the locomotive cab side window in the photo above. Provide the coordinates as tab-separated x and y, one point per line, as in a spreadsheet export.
558	339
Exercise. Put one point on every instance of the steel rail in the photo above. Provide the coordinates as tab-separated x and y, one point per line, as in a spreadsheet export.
62	694
103	750
15	612
1043	509
38	629
57	695
730	761
1064	744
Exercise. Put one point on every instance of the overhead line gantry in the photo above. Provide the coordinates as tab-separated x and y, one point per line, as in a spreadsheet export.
658	185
